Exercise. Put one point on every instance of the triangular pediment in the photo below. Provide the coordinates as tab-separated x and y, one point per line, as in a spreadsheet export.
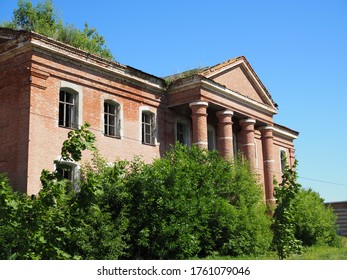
237	75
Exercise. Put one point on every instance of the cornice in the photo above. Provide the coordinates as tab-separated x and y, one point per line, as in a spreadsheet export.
206	83
95	62
285	132
14	41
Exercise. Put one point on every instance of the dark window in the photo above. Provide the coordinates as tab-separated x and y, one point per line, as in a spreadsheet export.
211	139
65	171
181	133
67	109
235	145
148	128
111	119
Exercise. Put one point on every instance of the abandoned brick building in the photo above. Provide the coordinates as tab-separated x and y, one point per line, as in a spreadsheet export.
48	88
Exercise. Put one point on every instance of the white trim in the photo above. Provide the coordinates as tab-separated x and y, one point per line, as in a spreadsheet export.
247	121
225	112
200	143
248	144
65	85
155	134
198	103
107	98
285	133
75	168
266	127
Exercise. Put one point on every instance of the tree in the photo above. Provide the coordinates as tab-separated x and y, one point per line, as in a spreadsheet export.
301	218
284	240
43	19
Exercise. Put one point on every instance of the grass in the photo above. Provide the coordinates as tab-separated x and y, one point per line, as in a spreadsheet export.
324	253
310	253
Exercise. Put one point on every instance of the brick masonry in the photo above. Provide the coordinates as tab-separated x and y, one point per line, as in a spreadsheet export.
33	70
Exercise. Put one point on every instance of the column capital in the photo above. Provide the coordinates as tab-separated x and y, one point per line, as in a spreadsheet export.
225	113
199	103
247	121
266	127
266	131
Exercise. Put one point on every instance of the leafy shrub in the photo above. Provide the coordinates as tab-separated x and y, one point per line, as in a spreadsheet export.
193	203
300	218
60	223
314	223
285	242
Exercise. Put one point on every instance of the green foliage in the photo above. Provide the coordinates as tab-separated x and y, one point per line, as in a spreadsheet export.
189	204
43	19
192	203
315	224
78	141
284	240
60	223
301	218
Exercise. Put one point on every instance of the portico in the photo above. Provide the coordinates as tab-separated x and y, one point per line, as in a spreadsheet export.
241	120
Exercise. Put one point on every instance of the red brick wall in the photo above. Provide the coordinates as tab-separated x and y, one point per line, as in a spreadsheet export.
46	137
14	118
238	81
29	94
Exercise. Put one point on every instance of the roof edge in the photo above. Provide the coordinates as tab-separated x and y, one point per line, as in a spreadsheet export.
61	48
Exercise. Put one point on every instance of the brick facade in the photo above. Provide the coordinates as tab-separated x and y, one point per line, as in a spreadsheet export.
211	108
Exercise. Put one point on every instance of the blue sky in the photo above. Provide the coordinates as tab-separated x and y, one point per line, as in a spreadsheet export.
298	48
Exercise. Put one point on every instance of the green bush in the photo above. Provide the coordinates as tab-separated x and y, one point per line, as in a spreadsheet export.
192	203
60	223
315	224
300	218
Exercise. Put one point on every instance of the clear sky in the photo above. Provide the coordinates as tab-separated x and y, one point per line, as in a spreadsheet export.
298	48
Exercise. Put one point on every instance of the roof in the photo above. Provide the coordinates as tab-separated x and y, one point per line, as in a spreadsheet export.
209	72
11	39
240	59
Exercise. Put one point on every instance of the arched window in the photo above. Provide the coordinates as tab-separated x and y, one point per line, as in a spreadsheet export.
68	109
111	119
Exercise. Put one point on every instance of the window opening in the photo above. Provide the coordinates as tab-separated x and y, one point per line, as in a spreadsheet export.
111	120
67	109
283	156
147	128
